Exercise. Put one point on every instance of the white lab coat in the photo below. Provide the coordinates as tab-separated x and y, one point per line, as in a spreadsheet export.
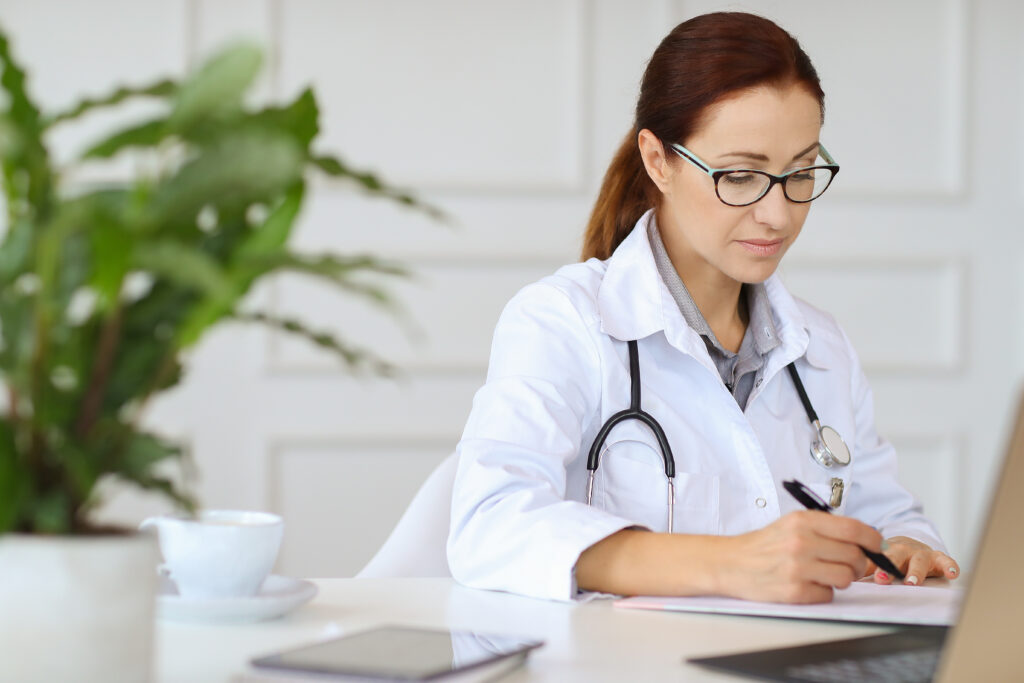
559	369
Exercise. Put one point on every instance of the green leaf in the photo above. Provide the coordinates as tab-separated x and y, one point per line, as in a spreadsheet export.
162	88
148	134
111	259
12	479
83	466
15	251
16	336
185	266
298	119
336	168
137	462
140	358
242	168
203	316
337	269
216	89
51	513
142	452
168	488
269	237
25	161
354	357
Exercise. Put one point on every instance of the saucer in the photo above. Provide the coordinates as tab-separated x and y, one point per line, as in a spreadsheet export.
277	595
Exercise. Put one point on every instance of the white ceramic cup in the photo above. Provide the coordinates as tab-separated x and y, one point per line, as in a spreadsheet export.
220	553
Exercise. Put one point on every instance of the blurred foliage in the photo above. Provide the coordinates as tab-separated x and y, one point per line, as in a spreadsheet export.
103	288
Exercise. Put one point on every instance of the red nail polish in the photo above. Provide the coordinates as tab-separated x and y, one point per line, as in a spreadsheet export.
883	575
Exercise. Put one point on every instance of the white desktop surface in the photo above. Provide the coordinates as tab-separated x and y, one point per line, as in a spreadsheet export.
591	641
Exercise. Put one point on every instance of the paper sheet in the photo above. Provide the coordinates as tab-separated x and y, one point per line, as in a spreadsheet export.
862	601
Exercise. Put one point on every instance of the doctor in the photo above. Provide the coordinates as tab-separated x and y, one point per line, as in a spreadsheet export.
681	259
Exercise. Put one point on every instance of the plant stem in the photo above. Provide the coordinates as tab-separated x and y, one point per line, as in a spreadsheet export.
12	401
166	365
106	350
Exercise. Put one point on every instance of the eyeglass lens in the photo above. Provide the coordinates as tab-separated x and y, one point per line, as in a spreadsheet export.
744	187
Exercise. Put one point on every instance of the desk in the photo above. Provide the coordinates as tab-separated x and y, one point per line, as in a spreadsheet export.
585	642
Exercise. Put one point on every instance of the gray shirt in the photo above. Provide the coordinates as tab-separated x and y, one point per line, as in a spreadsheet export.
738	370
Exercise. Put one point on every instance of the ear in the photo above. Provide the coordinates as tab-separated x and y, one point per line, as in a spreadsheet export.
659	170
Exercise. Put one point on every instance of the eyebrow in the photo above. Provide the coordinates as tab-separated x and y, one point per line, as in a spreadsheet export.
762	157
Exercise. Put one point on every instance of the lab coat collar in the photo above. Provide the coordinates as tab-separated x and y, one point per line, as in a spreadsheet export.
634	303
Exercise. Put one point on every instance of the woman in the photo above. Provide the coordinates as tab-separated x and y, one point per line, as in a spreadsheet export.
680	262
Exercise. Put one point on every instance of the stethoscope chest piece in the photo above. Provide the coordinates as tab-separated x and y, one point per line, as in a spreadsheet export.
829	449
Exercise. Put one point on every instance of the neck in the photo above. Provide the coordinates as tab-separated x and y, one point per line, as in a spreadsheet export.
716	295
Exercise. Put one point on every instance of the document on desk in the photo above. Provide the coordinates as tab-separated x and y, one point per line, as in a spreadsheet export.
862	601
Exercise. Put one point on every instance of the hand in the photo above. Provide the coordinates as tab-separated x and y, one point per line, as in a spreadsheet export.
915	559
799	558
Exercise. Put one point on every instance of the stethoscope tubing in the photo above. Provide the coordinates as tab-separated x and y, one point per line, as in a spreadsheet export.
635	412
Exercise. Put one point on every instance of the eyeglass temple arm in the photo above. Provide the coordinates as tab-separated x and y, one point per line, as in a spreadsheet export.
683	152
825	155
687	154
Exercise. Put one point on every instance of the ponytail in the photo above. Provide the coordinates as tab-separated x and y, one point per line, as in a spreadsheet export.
626	193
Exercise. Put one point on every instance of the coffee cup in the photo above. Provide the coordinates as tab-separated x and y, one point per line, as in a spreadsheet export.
218	553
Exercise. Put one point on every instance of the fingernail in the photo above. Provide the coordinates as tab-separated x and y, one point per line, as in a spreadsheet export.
885	545
882	575
952	571
912	580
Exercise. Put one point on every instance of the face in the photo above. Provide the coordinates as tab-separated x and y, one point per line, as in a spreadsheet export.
765	128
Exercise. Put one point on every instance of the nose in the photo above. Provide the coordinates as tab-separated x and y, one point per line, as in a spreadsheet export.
773	209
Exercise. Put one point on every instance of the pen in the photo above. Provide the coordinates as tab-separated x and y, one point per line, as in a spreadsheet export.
810	500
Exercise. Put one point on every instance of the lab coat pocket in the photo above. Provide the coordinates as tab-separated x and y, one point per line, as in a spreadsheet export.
632	485
831	487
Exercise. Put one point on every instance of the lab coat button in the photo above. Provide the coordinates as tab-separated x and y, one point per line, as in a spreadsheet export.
758	382
760	502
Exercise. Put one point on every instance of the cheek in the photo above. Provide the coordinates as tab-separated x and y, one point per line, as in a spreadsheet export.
800	212
705	219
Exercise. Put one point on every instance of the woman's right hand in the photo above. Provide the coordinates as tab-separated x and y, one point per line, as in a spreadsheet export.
799	558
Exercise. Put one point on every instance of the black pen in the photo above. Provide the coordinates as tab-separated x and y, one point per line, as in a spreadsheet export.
810	500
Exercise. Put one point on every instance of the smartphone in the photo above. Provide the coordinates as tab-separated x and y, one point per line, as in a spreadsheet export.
401	653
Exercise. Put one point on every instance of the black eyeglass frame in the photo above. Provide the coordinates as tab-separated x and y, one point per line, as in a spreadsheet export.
718	173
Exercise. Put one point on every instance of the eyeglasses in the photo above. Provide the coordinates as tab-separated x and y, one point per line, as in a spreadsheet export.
744	186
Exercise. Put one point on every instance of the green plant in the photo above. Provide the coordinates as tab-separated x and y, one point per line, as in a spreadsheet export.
103	288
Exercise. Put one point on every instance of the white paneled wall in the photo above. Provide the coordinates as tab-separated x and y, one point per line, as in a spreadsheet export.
505	115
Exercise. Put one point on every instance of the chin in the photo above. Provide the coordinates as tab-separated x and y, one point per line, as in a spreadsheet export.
755	274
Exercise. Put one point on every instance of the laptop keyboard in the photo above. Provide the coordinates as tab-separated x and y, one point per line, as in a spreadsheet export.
900	667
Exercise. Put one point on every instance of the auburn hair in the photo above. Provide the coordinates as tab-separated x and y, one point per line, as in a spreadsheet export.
702	61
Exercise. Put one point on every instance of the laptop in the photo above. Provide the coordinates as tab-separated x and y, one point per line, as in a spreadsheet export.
985	644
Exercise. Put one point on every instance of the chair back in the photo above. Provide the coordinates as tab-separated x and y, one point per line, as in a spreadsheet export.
417	545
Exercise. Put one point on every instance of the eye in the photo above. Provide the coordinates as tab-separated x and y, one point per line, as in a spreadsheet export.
803	176
739	179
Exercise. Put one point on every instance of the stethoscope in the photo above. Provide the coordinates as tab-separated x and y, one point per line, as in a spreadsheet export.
828	449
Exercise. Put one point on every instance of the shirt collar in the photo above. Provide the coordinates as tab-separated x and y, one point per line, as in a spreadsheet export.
761	327
634	302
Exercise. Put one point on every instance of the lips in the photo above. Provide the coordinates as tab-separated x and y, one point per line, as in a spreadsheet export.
762	247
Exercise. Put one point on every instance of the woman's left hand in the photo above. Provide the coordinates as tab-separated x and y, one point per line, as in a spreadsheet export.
915	559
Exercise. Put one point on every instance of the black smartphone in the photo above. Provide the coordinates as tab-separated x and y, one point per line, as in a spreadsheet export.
401	653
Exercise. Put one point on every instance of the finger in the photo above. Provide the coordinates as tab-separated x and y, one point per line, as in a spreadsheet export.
869	569
807	593
846	529
838	552
831	574
898	553
944	565
917	569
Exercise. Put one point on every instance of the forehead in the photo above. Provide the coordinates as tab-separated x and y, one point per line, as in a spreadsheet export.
769	120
